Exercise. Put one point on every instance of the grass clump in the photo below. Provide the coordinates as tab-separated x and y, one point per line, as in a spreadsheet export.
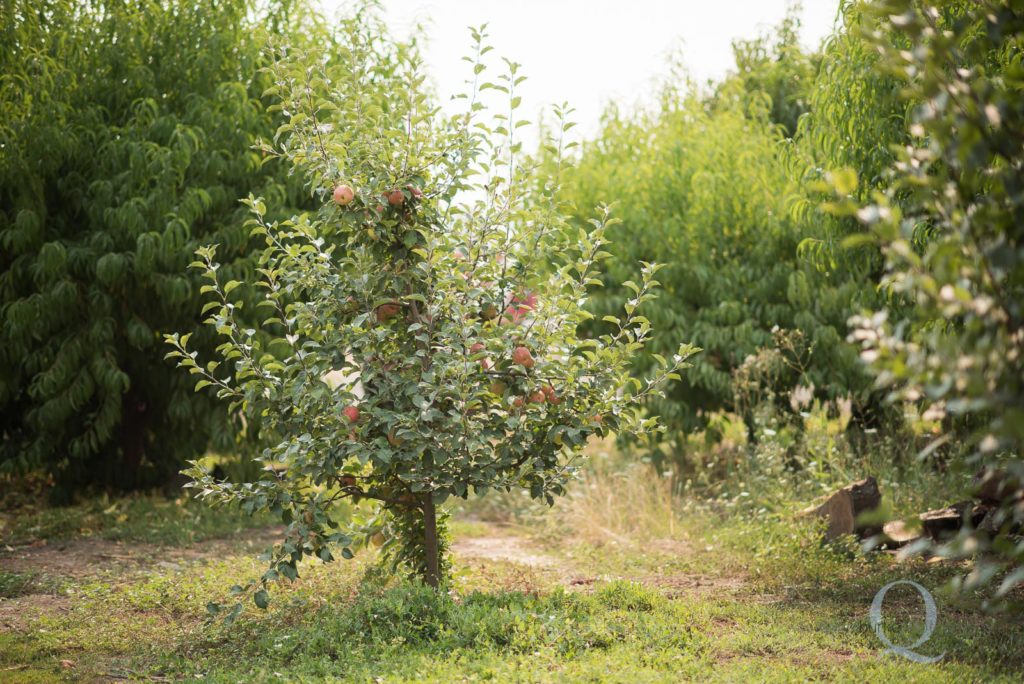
406	630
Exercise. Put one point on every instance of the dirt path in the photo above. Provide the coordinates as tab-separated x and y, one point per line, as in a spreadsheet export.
496	545
83	557
50	565
511	549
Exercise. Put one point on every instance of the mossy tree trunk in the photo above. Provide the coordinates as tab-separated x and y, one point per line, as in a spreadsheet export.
432	573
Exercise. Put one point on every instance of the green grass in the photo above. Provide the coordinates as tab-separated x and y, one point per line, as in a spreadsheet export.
795	613
151	519
637	585
332	627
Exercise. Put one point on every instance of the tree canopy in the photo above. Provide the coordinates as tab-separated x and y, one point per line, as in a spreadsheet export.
126	141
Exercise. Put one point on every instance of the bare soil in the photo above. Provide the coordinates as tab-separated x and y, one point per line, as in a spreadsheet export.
87	556
509	549
77	559
521	551
16	613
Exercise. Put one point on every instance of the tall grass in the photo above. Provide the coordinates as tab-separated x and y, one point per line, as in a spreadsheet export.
619	502
620	497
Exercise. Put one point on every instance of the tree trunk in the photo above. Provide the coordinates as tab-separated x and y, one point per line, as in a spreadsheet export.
133	441
432	573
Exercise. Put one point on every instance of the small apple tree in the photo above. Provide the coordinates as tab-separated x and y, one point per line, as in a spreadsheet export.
421	340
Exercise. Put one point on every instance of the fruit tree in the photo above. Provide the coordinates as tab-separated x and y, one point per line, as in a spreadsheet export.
422	323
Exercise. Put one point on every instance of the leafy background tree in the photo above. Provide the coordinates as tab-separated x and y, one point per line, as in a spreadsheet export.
712	185
773	75
126	135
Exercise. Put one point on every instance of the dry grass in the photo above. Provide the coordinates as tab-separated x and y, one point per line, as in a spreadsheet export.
628	504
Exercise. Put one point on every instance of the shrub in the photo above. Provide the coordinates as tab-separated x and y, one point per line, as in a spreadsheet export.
707	193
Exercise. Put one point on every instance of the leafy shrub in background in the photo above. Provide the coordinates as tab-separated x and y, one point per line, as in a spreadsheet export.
437	356
772	78
126	135
716	187
855	118
707	192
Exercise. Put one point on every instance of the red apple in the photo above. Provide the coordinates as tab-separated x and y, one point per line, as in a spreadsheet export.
414	191
343	194
522	356
352	413
538	397
527	301
519	307
385	312
476	348
396	198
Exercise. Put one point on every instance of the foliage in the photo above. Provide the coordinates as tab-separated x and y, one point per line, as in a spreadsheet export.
126	133
855	121
707	192
731	186
771	78
437	356
950	228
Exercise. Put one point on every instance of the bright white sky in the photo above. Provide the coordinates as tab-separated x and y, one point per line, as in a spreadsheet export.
588	52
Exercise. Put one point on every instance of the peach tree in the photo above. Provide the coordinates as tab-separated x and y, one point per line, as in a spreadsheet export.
421	339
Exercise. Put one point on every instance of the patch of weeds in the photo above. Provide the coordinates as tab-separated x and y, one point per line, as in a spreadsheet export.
23	661
152	519
386	629
626	596
14	584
